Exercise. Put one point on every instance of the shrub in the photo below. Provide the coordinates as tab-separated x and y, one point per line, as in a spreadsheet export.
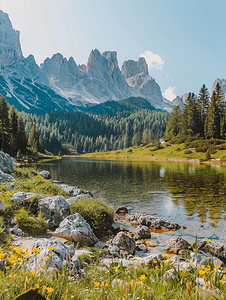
31	225
207	155
187	152
96	213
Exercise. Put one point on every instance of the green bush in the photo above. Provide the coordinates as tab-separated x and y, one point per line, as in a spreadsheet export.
31	225
187	152
96	213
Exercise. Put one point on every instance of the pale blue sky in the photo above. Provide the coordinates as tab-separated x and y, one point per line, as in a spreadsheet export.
187	37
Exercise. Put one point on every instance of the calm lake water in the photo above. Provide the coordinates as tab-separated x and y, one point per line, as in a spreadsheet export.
190	195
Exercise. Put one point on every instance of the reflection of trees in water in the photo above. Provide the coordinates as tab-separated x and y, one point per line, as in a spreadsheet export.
199	193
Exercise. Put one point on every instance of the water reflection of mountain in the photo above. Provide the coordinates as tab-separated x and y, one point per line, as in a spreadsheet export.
199	193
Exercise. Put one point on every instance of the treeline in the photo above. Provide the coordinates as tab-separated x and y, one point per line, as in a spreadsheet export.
86	132
13	138
201	118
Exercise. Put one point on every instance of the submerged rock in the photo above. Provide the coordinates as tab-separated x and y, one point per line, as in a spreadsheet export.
74	191
142	232
54	209
152	222
121	210
75	228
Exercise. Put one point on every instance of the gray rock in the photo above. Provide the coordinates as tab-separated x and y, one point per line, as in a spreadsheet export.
202	258
218	262
17	231
21	196
54	209
114	250
141	247
210	247
11	186
121	210
63	255
2	264
142	232
2	205
124	242
99	245
149	259
75	227
74	191
222	256
152	222
45	174
6	163
6	177
175	244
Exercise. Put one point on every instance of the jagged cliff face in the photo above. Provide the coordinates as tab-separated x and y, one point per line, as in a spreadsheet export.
62	84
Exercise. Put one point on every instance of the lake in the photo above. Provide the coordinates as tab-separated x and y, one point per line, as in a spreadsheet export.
191	195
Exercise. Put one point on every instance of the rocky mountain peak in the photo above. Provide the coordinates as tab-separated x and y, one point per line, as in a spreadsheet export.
132	67
10	49
111	56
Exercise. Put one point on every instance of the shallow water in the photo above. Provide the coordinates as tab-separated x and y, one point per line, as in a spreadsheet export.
190	195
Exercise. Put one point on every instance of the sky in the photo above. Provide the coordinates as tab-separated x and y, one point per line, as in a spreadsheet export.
183	41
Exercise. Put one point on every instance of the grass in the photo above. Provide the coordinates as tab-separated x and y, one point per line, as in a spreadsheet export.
110	281
166	151
96	213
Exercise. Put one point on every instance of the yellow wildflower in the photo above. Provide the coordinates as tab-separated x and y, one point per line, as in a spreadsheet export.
164	255
208	257
18	250
51	254
206	285
37	286
138	261
104	284
96	284
46	258
143	277
50	290
51	248
2	255
222	281
156	267
165	261
154	261
146	264
191	263
36	250
26	254
32	272
207	240
183	272
143	292
202	267
202	272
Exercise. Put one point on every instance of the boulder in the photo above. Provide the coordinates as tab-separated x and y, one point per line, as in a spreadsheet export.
124	242
99	245
114	250
6	177
152	222
76	198
121	210
6	163
21	196
2	205
142	232
74	191
75	228
175	244
63	255
17	231
45	174
222	256
210	247
54	209
140	246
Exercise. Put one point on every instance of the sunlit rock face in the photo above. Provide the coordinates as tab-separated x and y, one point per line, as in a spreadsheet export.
10	50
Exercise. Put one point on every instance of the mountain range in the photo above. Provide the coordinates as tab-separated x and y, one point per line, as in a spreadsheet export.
61	84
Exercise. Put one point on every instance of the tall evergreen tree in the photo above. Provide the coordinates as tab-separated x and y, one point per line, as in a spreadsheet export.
4	122
13	131
202	107
33	139
212	124
173	125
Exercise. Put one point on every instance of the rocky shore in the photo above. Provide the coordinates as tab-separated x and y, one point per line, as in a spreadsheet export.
129	248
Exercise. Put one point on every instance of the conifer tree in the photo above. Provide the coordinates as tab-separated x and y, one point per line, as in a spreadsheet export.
13	131
202	107
211	123
4	122
33	140
173	125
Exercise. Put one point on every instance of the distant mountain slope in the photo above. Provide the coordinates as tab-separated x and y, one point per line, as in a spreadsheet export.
125	107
